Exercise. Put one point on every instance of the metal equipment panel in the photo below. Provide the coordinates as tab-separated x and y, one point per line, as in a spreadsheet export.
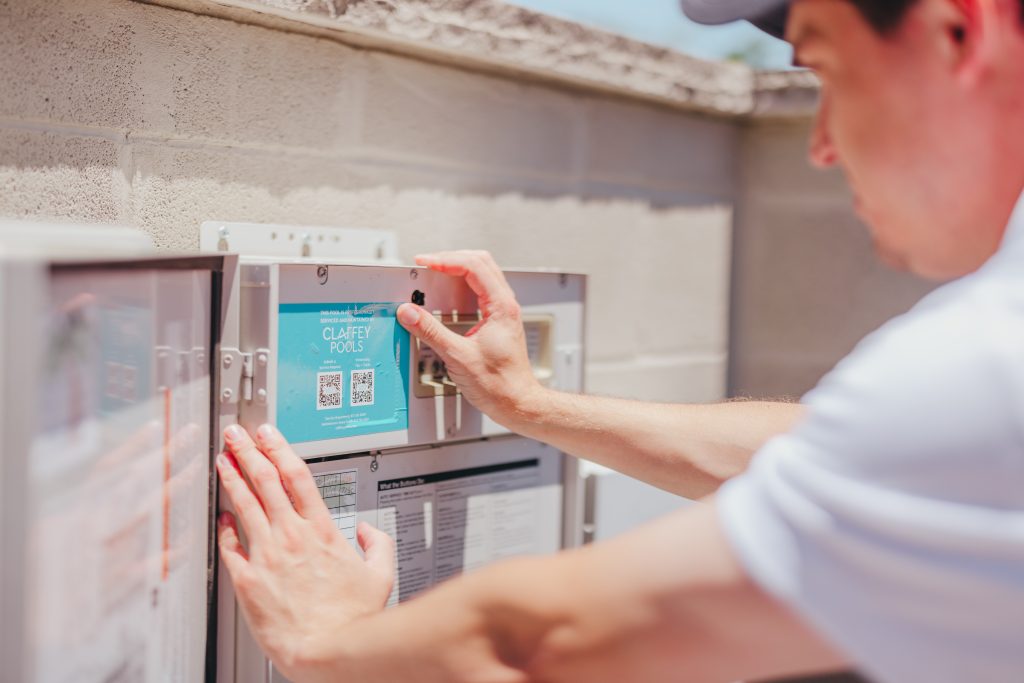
117	504
451	509
334	370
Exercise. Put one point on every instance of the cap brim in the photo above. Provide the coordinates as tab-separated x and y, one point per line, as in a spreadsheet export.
767	15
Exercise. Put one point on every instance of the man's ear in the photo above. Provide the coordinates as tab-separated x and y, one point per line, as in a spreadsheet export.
972	31
953	27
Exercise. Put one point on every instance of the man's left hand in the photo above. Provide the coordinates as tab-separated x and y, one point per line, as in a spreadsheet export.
298	581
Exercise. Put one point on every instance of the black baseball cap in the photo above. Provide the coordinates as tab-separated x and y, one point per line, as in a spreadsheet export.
767	15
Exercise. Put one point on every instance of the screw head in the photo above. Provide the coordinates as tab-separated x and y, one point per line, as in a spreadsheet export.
227	361
413	274
321	274
227	394
261	394
261	359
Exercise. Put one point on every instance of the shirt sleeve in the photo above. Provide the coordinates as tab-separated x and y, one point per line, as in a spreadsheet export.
892	518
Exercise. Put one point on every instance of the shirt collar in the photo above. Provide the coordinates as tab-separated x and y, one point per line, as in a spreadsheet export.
1013	238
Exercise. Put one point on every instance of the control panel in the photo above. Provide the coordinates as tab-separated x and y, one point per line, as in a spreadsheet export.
322	355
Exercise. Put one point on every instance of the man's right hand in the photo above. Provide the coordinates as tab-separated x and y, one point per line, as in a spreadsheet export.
489	364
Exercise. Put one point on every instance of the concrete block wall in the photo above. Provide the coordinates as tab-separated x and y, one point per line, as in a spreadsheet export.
146	116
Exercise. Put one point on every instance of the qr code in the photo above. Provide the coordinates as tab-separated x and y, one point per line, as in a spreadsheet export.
362	387
328	390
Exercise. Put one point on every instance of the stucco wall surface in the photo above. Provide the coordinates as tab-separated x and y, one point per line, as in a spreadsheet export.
148	116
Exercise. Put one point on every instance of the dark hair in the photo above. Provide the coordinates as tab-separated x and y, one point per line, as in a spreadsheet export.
883	15
886	15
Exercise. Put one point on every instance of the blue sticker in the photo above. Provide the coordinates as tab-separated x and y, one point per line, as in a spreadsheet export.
343	370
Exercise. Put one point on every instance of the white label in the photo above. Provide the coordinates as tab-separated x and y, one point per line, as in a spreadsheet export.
446	523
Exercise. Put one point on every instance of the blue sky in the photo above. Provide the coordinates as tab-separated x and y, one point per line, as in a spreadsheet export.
662	22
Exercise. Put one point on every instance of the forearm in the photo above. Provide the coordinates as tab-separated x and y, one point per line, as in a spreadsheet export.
608	612
689	450
479	627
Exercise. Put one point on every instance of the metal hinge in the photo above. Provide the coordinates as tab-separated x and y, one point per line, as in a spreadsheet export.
243	375
234	384
164	369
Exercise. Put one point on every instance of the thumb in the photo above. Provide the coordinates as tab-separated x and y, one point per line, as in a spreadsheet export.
424	326
378	548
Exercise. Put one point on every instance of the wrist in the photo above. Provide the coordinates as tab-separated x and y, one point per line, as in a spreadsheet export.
330	656
531	408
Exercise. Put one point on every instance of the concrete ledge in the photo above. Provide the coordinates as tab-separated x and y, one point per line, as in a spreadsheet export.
491	36
785	94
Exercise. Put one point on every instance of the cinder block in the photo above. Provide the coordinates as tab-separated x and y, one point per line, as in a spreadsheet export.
643	146
51	175
808	288
176	189
218	80
70	62
658	279
683	278
421	111
774	164
698	379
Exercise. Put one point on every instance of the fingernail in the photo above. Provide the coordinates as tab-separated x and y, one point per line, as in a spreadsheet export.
233	433
222	460
266	431
408	315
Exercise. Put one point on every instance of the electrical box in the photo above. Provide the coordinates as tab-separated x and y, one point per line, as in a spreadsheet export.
386	432
106	500
324	358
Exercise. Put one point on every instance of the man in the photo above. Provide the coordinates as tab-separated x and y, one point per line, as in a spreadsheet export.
881	523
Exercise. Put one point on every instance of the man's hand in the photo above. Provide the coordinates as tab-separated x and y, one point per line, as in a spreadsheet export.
490	363
298	581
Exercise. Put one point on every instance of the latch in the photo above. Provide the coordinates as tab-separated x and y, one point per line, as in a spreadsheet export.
243	375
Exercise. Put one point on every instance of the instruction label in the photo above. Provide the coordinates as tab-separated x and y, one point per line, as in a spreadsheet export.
447	523
338	491
343	370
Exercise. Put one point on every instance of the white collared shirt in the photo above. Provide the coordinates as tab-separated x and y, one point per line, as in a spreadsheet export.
892	517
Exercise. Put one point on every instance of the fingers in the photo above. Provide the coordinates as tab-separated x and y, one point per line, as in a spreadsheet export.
230	545
482	275
295	474
266	479
378	548
250	512
424	326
